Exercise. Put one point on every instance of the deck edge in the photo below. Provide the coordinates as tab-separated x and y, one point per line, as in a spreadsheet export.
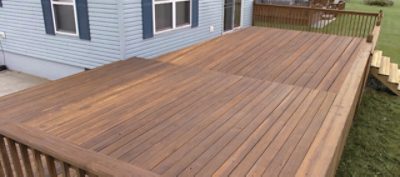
324	154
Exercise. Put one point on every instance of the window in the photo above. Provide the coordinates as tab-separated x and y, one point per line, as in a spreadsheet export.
171	14
64	17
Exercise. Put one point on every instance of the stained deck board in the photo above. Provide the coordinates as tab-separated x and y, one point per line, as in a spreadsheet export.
252	102
290	57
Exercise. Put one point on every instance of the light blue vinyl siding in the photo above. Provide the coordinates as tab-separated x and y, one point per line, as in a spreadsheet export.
210	14
22	21
116	32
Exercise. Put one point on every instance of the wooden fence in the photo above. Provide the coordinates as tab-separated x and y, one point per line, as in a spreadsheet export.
338	22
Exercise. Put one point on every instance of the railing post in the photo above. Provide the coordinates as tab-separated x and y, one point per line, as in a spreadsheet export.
370	36
380	17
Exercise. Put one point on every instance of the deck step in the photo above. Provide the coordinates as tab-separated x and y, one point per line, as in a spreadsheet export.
384	68
376	59
398	77
386	72
393	74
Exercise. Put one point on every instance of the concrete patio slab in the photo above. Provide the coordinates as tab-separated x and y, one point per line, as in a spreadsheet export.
12	81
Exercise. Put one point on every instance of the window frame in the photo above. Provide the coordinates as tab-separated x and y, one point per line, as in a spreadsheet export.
174	27
73	4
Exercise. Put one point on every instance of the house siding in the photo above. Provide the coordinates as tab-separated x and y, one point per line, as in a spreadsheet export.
22	21
116	32
210	14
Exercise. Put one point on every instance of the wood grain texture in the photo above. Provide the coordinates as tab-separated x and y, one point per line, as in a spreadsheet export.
290	57
257	102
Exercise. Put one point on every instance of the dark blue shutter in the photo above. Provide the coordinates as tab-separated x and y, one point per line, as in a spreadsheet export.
1	3
48	17
195	13
83	19
147	18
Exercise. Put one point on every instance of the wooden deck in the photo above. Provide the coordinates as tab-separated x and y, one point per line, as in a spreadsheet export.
257	102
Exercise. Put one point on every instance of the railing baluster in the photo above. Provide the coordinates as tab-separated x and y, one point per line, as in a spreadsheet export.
26	160
342	22
366	20
275	16
80	172
51	166
311	21
1	169
360	26
14	157
5	159
65	169
373	22
319	22
356	20
337	23
39	163
349	25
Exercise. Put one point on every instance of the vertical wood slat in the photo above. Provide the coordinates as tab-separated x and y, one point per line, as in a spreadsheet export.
66	169
5	158
80	172
39	163
14	157
51	165
26	160
1	169
359	25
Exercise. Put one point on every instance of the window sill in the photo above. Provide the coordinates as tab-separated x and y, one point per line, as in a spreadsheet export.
66	34
168	31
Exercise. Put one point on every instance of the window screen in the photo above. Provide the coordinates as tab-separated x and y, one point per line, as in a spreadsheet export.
163	16
182	13
65	18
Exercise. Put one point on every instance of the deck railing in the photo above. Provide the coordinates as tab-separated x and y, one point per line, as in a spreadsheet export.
25	152
338	22
20	160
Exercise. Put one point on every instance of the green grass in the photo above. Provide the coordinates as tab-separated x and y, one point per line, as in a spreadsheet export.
389	40
373	145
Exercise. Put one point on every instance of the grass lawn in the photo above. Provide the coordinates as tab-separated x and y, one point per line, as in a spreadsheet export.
373	145
389	40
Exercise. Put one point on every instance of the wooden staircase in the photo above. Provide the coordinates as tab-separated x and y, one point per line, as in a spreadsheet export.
386	72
